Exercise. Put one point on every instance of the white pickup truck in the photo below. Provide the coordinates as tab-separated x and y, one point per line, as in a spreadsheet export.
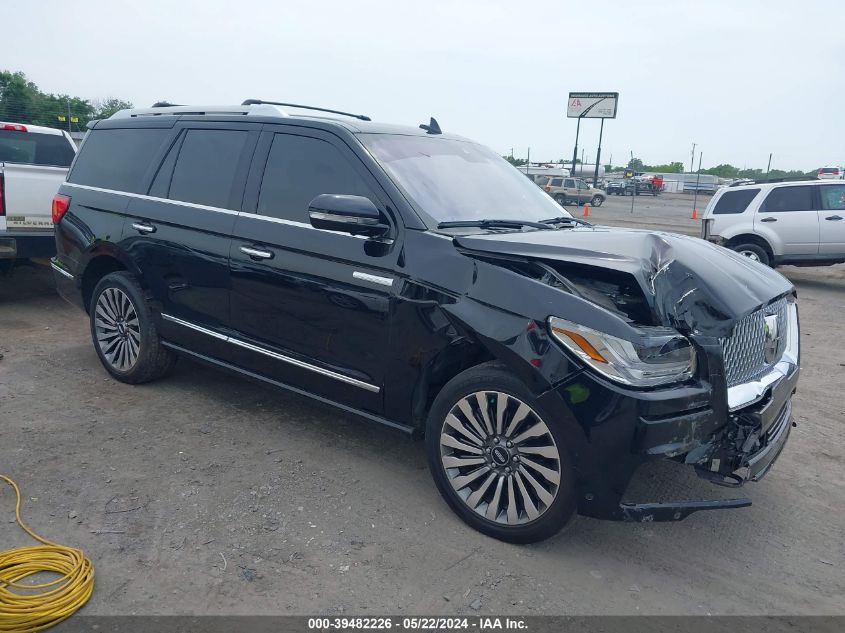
34	161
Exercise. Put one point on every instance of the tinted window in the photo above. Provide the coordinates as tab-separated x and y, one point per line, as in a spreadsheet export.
570	183
833	197
32	148
298	170
734	201
205	169
788	199
557	182
117	159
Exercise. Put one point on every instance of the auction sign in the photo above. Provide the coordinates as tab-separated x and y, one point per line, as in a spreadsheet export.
592	105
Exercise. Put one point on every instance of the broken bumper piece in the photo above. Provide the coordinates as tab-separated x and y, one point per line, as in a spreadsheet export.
675	510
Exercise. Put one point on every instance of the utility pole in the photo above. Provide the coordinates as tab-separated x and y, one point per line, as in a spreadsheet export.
634	192
769	167
575	151
692	159
598	156
68	116
697	181
527	161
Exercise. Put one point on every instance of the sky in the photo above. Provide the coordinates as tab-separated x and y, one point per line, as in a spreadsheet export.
740	79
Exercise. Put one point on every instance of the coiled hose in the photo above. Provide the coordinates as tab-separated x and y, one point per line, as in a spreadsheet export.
26	607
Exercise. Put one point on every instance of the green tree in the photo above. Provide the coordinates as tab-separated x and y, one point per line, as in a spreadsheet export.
22	101
675	167
517	162
636	164
104	108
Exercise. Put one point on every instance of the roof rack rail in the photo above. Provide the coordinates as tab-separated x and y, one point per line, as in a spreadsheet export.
164	104
162	108
362	117
785	179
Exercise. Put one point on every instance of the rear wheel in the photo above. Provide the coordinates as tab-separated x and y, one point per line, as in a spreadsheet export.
498	459
754	252
124	333
560	199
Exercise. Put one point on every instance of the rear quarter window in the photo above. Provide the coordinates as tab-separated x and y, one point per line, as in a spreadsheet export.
118	159
734	201
33	148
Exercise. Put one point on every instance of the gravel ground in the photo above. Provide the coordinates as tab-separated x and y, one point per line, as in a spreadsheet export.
205	493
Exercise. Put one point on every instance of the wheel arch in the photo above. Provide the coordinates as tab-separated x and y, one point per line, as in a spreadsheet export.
751	238
100	263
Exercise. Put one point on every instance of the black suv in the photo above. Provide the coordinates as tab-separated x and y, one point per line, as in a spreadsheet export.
418	280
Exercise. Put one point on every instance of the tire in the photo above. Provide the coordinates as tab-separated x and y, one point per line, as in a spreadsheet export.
596	201
560	199
479	492
124	333
753	252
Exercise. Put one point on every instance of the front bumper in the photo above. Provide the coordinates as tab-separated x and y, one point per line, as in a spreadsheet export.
725	447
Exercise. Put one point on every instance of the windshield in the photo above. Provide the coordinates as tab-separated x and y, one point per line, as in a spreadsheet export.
459	180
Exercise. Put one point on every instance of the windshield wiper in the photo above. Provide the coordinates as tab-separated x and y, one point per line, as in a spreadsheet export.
492	224
565	218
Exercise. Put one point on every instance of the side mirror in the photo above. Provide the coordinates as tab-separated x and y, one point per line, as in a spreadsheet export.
348	214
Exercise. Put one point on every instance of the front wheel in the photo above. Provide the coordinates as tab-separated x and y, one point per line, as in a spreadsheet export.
124	332
498	459
596	201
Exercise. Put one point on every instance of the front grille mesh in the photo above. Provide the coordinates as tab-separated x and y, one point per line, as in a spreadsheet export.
744	349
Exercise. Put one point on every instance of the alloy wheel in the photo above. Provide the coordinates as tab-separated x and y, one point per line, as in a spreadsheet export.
117	329
750	255
500	458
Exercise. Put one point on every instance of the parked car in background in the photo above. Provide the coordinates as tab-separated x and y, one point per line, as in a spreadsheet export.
831	173
571	191
34	161
415	279
780	223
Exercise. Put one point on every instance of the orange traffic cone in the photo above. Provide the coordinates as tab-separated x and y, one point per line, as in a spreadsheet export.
586	210
694	213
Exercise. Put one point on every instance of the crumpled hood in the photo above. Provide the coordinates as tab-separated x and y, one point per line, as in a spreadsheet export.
691	284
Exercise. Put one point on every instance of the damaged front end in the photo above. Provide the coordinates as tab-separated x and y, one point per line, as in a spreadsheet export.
648	298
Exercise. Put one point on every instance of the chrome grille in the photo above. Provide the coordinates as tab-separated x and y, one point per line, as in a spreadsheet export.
744	349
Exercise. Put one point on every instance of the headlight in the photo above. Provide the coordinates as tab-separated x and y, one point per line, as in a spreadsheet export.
663	356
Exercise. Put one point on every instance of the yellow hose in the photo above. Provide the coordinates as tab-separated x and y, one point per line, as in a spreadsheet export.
26	607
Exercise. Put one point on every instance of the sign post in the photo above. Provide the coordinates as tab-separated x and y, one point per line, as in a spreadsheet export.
591	105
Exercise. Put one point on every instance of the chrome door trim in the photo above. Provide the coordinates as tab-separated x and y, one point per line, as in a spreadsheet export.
61	270
142	196
281	357
192	326
383	281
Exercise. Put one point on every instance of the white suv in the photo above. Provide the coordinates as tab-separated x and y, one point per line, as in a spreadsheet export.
780	223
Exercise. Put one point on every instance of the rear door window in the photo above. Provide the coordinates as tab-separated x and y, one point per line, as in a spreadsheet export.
570	183
300	168
735	201
557	182
117	159
206	167
784	199
833	197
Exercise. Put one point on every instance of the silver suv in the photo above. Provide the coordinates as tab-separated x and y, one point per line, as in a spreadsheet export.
780	223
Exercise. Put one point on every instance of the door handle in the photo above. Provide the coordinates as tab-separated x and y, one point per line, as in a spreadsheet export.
143	228
256	253
833	217
769	220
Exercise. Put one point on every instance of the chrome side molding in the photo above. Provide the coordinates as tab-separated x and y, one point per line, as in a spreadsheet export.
275	355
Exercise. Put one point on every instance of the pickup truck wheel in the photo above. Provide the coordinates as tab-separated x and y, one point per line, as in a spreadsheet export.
498	459
560	199
124	332
754	252
596	201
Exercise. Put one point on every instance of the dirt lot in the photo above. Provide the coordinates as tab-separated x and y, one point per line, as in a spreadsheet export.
204	493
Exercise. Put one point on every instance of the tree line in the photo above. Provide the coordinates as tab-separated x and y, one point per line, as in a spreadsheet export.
21	101
677	167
